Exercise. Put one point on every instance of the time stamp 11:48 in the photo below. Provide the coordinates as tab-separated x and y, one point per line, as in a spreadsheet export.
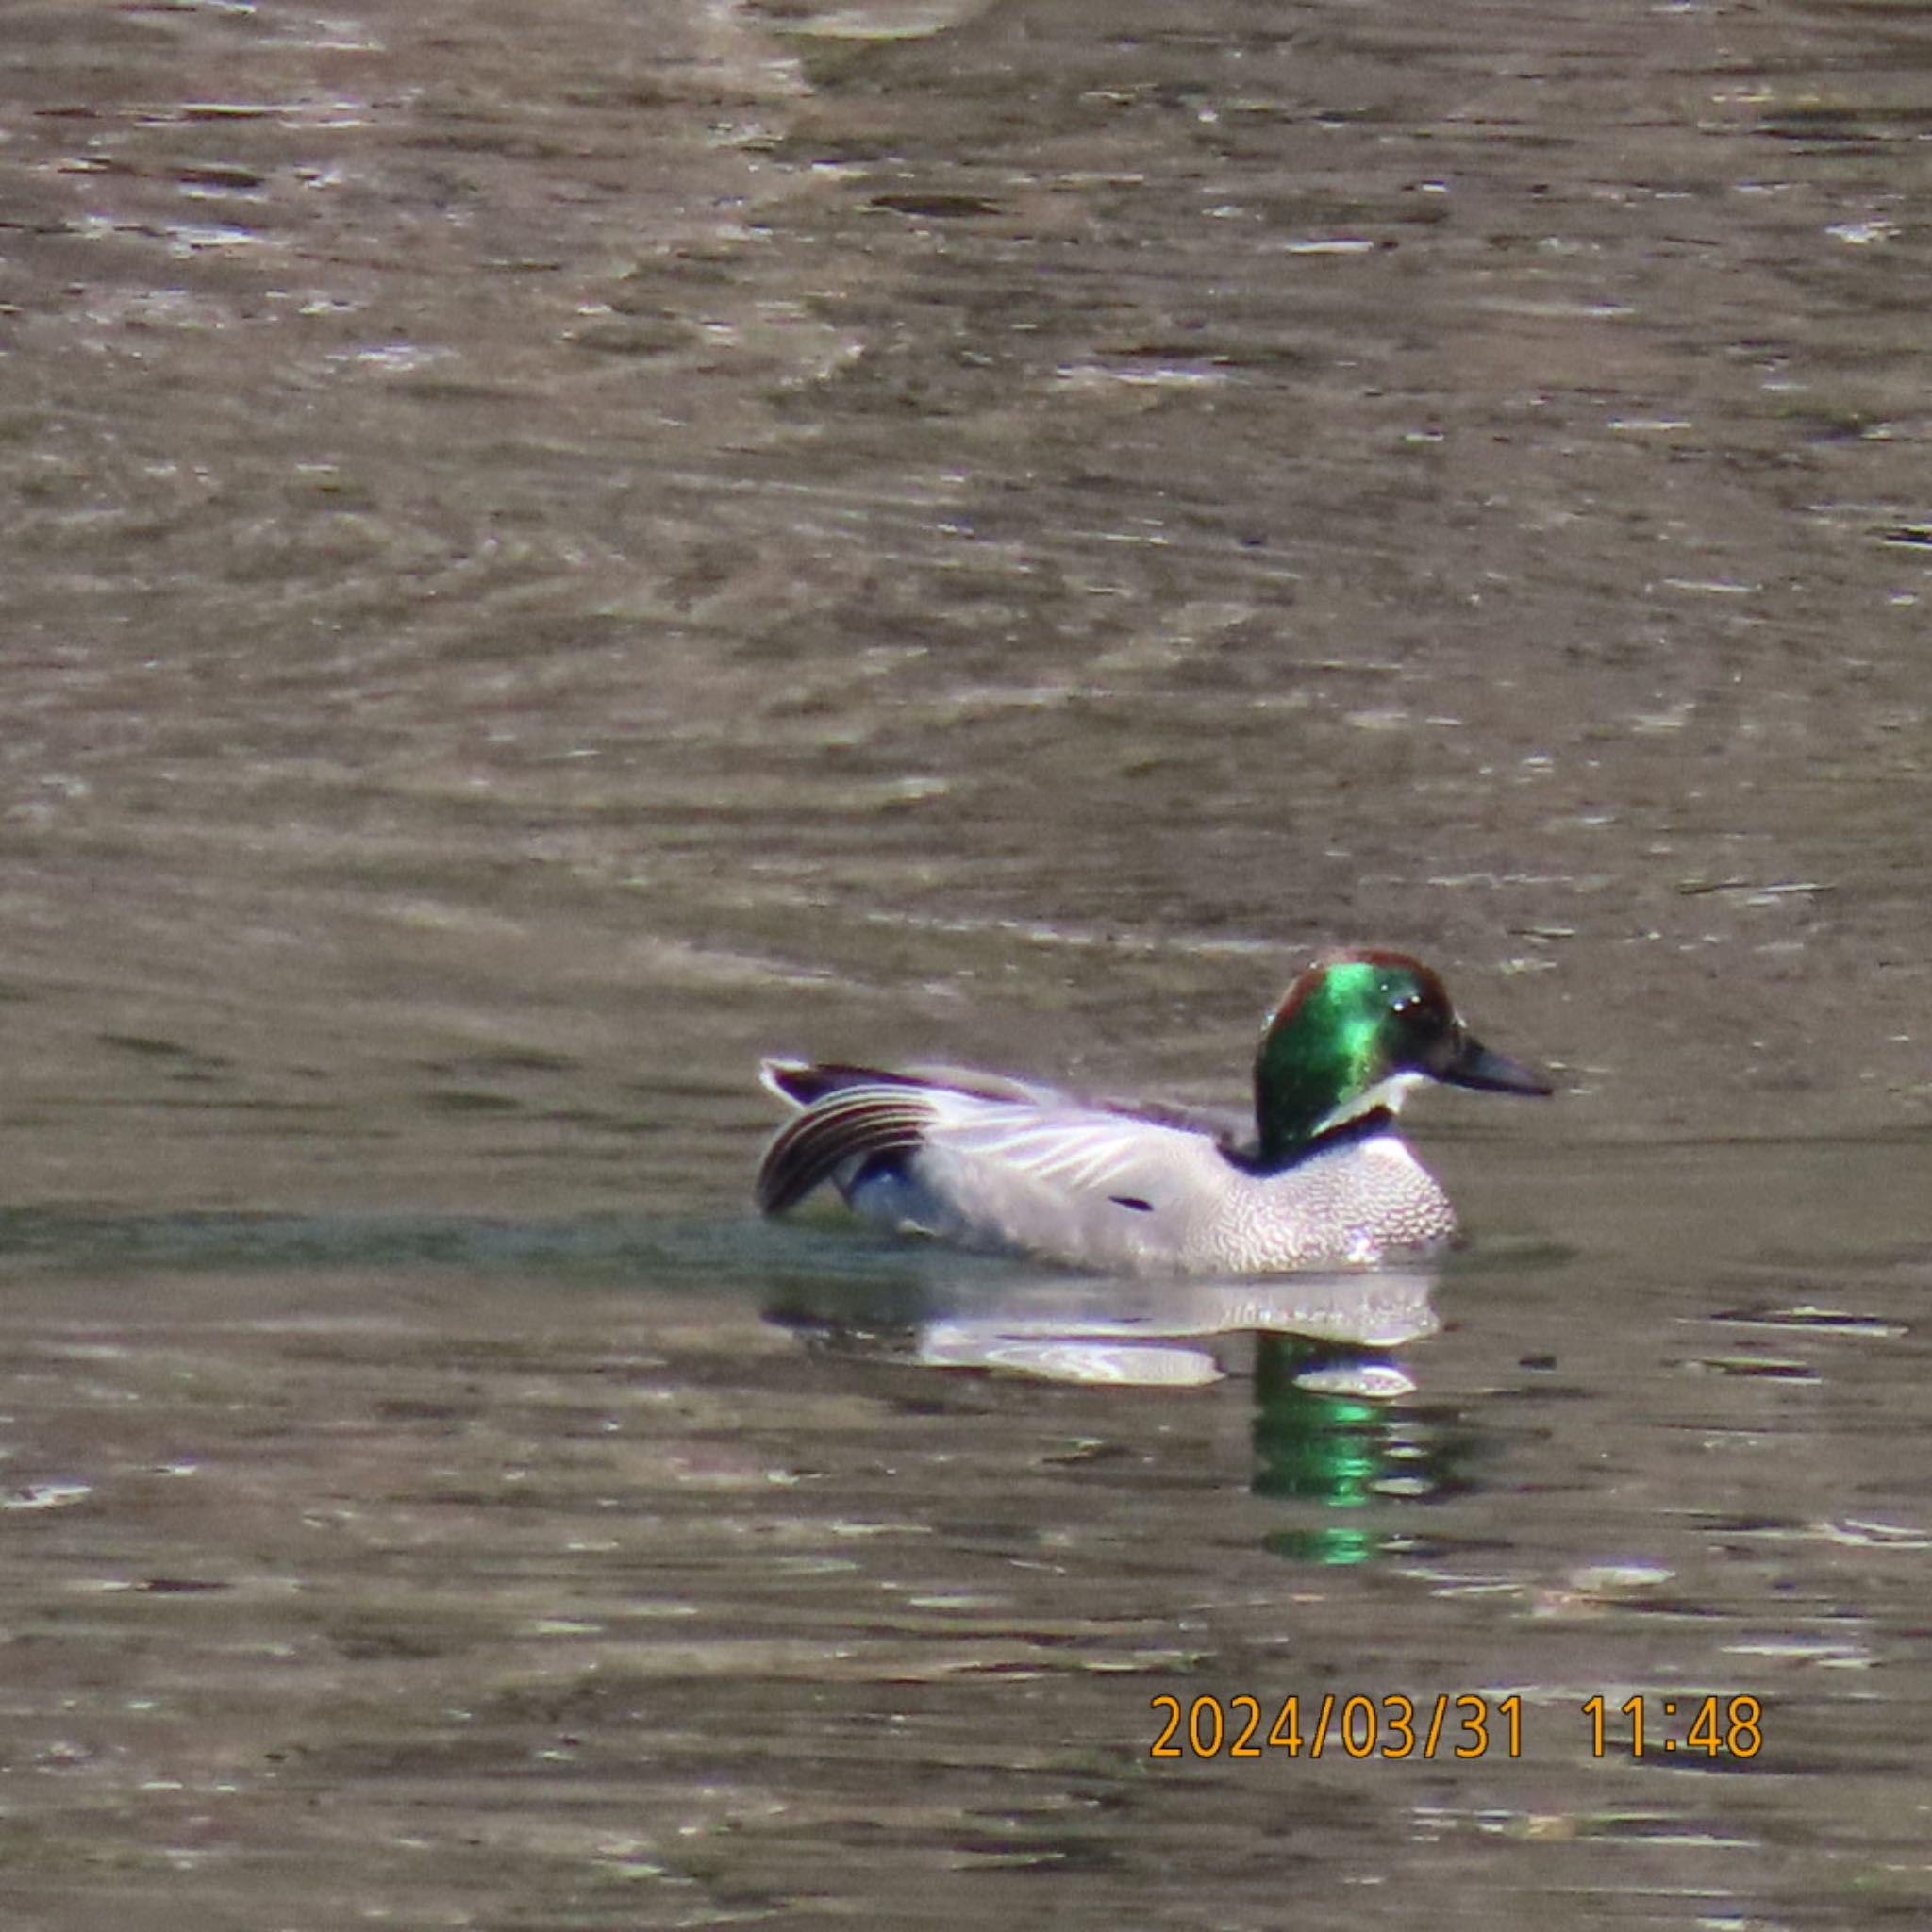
1473	1725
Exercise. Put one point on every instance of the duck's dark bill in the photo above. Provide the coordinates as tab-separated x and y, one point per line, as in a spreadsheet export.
1494	1073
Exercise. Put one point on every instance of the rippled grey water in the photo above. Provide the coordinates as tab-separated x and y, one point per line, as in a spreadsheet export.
549	551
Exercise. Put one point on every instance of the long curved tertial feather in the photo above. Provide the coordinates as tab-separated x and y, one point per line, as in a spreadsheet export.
857	1122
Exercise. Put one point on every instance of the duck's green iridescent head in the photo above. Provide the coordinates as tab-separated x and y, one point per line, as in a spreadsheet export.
1353	1034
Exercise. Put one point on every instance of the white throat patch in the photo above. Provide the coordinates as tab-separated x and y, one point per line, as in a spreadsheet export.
1386	1095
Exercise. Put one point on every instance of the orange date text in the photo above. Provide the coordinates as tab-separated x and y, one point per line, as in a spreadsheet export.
1338	1724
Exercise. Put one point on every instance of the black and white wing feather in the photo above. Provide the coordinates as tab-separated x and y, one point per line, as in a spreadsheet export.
998	1149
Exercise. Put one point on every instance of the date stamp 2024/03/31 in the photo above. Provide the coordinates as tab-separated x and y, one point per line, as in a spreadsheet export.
1469	1725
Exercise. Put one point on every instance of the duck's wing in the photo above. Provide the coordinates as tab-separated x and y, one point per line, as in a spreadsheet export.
986	1136
856	1114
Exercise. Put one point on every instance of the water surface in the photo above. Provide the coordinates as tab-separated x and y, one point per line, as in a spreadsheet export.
545	558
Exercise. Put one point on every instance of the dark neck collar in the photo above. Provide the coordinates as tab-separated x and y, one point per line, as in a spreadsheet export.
1362	1127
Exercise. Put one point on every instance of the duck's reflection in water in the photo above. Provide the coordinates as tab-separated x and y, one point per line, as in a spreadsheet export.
1331	1431
1140	1334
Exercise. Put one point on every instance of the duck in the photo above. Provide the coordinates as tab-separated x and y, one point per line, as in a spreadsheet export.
1318	1178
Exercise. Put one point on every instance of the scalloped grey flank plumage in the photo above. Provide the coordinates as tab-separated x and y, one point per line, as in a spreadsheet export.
1318	1178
